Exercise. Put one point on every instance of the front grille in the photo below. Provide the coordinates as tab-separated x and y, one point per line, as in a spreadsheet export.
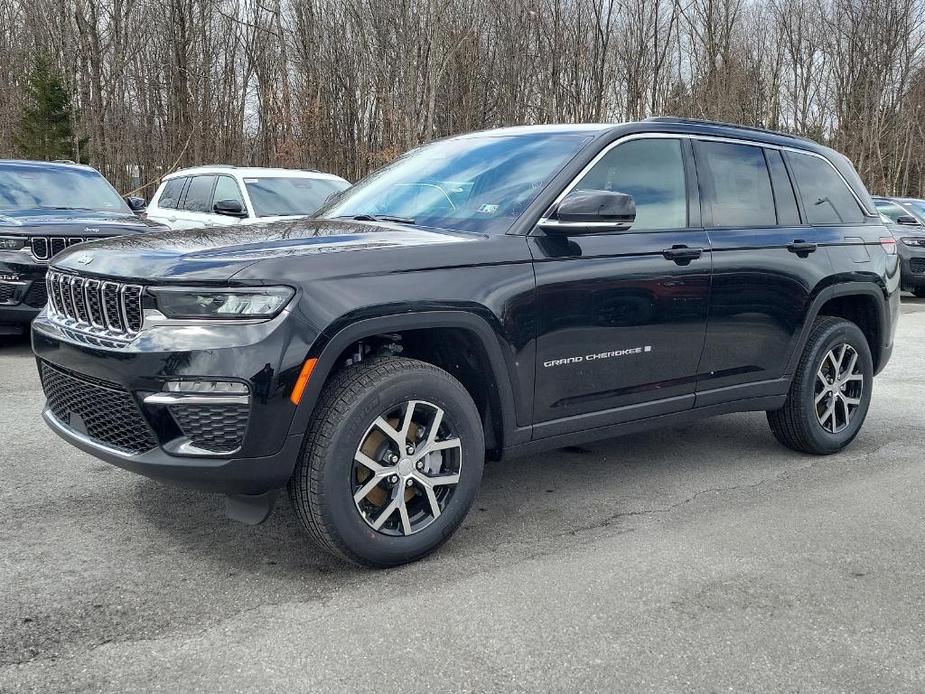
95	306
217	428
105	411
917	264
47	247
37	296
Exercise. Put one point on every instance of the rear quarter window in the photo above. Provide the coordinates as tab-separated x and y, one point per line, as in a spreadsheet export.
826	197
170	195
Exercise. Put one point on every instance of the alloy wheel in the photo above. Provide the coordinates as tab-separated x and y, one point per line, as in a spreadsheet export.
406	468
839	387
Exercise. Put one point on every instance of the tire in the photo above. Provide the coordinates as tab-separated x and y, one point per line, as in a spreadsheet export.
798	425
350	424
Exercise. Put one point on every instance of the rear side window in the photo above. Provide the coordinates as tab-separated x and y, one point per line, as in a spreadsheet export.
826	198
170	196
652	172
199	194
740	194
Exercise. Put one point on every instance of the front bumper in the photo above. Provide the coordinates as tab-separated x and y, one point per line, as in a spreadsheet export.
912	264
22	292
131	381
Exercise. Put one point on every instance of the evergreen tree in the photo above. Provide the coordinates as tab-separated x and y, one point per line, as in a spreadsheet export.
45	130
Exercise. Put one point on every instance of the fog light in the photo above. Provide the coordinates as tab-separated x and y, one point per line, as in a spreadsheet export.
216	387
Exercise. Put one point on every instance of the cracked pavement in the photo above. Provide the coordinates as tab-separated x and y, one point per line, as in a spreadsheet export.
703	557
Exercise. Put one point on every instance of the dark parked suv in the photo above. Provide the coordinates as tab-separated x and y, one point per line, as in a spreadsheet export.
46	207
495	294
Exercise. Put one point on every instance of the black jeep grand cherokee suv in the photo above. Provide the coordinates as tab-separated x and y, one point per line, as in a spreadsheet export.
46	207
496	293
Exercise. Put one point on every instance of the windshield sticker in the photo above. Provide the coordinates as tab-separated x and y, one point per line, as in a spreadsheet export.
488	209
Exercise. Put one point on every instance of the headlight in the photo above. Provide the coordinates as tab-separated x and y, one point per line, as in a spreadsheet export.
12	243
221	304
914	241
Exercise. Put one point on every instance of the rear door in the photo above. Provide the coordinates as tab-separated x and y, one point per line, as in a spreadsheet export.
621	316
163	208
195	208
767	264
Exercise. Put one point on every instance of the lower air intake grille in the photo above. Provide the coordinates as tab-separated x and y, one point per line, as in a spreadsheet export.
917	264
218	428
37	296
107	412
6	293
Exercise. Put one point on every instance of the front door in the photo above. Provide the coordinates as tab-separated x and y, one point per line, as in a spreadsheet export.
621	316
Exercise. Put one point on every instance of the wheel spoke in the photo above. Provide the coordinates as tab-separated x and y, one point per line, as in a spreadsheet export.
406	425
403	512
851	364
436	480
432	498
434	428
369	486
820	396
396	501
851	401
853	377
392	433
841	358
368	462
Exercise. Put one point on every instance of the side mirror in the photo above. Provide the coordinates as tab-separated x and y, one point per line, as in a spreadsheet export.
908	220
591	212
230	208
136	204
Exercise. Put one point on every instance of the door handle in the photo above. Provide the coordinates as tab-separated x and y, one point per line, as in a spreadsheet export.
801	248
682	254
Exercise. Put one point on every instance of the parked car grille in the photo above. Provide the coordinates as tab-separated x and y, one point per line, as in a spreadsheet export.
107	412
217	428
37	295
917	264
47	247
96	306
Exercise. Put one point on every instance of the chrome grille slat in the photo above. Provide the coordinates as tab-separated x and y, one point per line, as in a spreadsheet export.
44	248
110	310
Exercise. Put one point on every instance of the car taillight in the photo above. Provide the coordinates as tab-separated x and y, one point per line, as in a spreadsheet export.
889	244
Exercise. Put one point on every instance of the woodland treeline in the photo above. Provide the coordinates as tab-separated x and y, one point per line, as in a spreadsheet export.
345	85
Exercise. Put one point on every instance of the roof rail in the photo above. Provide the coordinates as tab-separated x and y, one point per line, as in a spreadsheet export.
723	124
62	161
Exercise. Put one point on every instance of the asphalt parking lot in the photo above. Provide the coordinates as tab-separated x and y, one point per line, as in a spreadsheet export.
701	558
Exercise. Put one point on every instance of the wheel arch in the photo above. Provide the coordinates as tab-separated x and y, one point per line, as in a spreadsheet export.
429	330
864	304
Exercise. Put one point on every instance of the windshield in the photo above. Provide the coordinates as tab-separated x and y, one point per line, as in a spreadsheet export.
56	187
479	184
290	196
890	209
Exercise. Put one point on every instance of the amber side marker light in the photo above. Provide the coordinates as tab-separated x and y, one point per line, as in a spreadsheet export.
304	375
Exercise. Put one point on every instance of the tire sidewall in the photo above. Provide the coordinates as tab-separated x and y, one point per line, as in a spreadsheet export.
837	334
341	514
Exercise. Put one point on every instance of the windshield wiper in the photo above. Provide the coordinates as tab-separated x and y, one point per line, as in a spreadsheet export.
378	218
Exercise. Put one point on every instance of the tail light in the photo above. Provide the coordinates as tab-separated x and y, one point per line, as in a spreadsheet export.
889	244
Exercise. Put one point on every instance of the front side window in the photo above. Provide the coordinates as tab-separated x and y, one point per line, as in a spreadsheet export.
826	198
652	172
170	196
290	196
740	195
56	188
477	183
199	194
226	188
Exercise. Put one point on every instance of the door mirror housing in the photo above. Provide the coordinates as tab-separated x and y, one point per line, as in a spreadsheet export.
908	220
136	204
229	208
591	212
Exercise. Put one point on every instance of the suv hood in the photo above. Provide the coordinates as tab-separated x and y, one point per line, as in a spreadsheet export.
85	223
217	254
